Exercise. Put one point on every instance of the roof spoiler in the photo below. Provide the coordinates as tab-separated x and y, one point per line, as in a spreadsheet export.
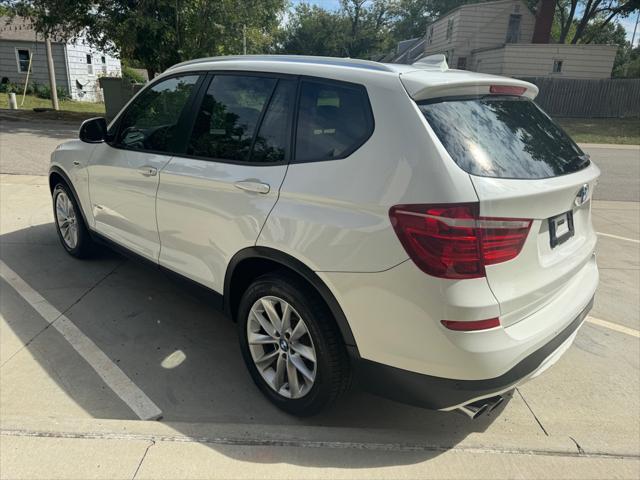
432	62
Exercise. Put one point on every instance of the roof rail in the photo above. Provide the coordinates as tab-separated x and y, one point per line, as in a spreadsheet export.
432	62
334	61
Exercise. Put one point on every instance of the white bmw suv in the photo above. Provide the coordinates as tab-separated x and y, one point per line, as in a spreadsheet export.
423	230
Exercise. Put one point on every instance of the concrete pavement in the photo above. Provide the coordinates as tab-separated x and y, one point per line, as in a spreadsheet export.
577	420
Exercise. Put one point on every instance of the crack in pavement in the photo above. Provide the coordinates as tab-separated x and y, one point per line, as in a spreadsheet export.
144	455
300	443
532	412
580	449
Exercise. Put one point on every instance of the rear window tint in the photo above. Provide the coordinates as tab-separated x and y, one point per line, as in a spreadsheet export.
334	120
504	137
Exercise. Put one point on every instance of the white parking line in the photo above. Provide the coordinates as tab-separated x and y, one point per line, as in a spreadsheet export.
614	326
633	240
115	378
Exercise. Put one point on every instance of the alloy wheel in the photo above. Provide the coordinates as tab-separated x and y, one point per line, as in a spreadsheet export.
281	347
66	220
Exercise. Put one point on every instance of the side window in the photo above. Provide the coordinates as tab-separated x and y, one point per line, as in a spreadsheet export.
228	117
333	121
272	142
151	122
23	60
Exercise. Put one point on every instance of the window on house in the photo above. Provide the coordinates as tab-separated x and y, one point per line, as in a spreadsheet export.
449	29
513	30
462	63
103	60
23	60
89	64
430	36
557	66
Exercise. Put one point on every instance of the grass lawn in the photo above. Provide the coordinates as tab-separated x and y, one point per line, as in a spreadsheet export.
69	109
603	130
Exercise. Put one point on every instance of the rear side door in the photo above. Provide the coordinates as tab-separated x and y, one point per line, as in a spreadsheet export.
123	172
215	197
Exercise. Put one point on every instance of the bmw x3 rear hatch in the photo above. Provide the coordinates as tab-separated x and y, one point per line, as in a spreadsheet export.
523	167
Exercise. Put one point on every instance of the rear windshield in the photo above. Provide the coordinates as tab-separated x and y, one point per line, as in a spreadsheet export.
504	137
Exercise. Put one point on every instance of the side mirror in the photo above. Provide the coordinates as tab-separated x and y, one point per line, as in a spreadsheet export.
93	130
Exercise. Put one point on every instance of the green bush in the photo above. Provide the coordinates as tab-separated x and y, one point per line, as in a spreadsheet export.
130	74
44	91
10	88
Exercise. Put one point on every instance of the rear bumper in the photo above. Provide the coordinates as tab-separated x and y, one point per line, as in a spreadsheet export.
446	394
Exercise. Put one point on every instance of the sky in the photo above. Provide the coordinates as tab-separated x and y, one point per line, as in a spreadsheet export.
628	23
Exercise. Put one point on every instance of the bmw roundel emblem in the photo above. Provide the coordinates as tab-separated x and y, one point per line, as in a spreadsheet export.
583	195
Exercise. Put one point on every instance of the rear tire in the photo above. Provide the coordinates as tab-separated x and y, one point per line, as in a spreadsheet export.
72	231
291	344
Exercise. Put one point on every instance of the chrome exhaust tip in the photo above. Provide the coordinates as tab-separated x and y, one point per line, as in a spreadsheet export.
475	409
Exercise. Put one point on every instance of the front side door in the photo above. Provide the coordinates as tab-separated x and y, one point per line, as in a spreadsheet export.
124	172
214	199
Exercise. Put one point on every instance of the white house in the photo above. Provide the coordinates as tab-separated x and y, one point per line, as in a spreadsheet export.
77	64
498	37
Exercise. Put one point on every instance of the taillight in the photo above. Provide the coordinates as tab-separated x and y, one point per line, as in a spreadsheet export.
453	241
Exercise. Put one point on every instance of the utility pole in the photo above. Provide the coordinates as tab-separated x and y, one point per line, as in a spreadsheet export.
635	28
244	38
633	39
52	74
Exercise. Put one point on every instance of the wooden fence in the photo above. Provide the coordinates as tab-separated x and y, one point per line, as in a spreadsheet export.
606	98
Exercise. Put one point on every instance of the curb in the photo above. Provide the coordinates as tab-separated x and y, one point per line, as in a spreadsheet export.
614	146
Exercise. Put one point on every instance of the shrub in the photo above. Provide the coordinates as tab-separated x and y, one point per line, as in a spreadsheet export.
44	91
10	88
130	74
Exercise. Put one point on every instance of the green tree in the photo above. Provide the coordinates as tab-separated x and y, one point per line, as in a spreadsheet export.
160	33
411	18
60	19
312	30
359	29
369	27
578	17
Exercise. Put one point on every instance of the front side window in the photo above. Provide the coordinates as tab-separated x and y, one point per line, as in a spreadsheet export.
503	137
449	29
228	117
151	122
23	60
334	120
89	64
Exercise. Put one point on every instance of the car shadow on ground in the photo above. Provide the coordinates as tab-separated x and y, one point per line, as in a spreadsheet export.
183	354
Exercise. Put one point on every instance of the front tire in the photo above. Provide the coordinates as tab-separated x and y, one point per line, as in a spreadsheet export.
72	231
291	344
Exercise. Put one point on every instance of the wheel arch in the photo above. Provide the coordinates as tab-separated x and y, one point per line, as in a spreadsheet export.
57	175
251	262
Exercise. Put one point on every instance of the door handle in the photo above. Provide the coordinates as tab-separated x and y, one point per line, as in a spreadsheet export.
253	186
148	171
